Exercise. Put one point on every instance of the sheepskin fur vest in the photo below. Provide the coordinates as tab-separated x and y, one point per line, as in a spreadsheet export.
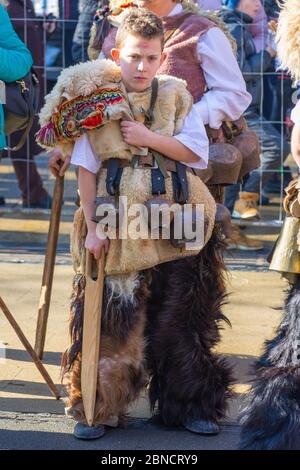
172	105
182	34
91	98
87	98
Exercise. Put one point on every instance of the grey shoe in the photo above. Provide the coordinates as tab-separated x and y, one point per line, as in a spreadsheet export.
83	431
202	426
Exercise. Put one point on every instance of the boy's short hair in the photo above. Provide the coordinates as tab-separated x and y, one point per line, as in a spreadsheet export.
140	22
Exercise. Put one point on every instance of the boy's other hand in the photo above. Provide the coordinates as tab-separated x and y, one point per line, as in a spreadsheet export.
58	164
95	245
135	133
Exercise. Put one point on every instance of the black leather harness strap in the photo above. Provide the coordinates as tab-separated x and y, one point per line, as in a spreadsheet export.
158	173
158	169
180	184
158	182
149	114
113	176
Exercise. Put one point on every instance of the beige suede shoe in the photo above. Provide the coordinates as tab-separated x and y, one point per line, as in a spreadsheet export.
239	241
246	206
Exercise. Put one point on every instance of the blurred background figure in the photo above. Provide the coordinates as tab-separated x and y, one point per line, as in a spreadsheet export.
32	30
259	29
87	9
272	8
48	35
59	45
254	58
209	4
15	63
277	106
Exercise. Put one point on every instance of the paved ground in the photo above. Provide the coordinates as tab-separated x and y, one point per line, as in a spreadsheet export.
24	397
26	405
48	432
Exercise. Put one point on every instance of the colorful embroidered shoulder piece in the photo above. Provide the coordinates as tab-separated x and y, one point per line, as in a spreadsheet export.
79	114
105	11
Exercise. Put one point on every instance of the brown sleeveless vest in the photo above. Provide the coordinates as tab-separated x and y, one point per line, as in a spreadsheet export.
182	33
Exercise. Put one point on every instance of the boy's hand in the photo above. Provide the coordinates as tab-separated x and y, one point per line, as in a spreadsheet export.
95	245
55	160
135	133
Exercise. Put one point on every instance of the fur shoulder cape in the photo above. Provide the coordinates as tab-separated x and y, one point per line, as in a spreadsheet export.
81	99
88	95
84	78
79	80
288	37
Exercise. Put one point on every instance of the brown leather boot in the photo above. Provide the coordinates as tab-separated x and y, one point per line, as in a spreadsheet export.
246	206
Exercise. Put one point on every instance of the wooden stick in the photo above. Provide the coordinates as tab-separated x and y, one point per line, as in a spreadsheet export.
93	298
45	295
29	349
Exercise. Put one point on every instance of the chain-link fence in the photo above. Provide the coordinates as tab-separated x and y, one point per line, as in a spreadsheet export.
48	28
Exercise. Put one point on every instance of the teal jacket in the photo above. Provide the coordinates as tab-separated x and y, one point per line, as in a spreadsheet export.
15	59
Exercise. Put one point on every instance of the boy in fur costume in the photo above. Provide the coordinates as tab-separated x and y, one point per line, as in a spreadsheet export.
188	381
271	414
101	106
193	39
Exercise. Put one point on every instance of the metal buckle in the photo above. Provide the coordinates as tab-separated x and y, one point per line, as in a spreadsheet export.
153	167
154	164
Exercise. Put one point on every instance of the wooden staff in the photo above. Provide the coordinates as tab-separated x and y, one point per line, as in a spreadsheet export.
45	295
93	298
29	349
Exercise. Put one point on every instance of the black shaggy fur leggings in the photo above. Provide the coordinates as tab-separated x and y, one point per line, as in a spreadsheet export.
188	380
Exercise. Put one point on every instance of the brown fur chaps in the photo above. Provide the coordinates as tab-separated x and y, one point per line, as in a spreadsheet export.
121	367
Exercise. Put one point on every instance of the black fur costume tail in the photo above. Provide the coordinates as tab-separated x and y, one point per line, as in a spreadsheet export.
184	311
271	417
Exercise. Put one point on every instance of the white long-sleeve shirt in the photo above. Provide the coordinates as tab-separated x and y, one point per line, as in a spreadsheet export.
295	115
226	99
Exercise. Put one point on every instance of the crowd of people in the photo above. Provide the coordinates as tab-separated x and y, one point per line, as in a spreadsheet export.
65	41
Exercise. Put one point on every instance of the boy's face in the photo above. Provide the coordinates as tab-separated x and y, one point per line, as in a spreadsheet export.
139	60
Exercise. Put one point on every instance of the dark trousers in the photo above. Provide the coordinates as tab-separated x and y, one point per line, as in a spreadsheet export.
28	177
29	180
